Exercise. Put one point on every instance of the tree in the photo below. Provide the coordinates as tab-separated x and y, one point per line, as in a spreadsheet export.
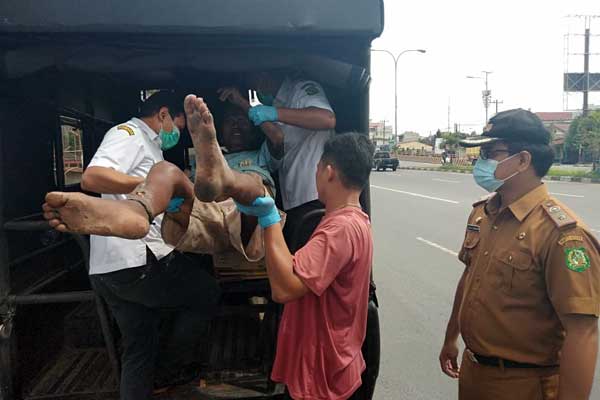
584	137
429	140
451	140
573	143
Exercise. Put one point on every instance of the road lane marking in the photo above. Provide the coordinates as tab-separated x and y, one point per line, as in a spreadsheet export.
416	194
437	246
567	195
444	180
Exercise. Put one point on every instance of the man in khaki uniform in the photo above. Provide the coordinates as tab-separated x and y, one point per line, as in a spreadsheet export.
528	302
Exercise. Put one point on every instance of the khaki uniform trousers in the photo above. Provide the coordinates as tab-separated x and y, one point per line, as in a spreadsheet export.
481	382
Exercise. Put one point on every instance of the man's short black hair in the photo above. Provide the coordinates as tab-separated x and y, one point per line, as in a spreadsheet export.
542	155
352	155
152	105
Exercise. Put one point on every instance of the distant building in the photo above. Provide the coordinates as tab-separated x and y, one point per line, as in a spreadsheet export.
380	132
558	124
472	152
408	137
414	146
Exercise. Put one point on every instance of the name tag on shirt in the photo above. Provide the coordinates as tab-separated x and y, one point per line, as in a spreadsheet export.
473	228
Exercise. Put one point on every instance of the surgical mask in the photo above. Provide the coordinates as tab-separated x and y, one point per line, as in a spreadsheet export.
484	173
266	99
169	139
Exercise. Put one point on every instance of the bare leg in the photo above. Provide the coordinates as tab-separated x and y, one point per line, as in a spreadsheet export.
79	213
214	179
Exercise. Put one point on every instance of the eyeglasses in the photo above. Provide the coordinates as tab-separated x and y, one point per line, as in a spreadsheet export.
486	154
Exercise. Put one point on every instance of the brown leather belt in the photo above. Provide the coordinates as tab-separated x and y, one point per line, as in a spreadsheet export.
501	362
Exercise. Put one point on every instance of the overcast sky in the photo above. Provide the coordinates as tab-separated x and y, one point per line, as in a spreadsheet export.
522	42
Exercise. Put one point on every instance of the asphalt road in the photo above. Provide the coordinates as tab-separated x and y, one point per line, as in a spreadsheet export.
419	221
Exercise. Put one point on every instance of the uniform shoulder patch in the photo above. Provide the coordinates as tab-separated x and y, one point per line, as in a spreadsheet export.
577	259
570	238
127	129
310	88
559	216
483	199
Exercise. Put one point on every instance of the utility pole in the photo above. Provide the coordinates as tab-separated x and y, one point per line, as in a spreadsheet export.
586	68
582	83
496	102
486	95
448	114
395	58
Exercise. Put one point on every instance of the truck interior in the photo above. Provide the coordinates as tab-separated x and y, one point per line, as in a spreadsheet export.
70	70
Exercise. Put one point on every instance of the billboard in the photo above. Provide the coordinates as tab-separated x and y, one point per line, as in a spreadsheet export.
575	82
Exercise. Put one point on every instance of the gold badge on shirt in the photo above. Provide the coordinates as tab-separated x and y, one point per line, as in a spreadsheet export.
570	238
126	129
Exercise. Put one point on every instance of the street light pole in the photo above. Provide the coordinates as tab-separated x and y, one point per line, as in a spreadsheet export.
486	93
395	58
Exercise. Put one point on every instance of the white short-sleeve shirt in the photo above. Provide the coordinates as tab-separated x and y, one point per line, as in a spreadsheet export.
131	148
302	147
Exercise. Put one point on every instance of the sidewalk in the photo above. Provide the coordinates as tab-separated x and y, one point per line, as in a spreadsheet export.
416	166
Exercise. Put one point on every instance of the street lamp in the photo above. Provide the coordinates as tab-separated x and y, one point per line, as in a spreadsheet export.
486	94
395	58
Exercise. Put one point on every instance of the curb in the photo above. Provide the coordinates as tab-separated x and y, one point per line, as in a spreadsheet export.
548	178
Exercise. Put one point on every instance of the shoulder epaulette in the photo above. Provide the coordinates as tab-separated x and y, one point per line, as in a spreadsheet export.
559	216
127	129
483	199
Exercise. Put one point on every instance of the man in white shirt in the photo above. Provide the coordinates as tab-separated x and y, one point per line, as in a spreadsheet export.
138	278
302	111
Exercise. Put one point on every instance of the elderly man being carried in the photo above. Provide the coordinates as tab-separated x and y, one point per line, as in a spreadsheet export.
201	217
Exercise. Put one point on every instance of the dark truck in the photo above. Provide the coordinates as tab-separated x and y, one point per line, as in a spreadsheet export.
71	69
383	160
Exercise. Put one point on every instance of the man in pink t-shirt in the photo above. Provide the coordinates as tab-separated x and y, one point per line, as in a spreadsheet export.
325	285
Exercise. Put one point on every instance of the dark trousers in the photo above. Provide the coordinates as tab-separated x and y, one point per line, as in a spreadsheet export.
295	234
138	296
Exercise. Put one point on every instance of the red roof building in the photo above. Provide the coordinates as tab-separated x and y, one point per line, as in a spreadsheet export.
558	124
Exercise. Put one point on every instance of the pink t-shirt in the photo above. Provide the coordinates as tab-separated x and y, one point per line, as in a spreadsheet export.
321	334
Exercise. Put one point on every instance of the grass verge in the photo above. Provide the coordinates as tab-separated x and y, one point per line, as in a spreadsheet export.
559	172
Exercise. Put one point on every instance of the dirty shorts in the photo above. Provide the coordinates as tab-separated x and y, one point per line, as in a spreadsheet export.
215	228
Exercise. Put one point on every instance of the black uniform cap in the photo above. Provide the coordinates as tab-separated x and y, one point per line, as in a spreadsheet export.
516	125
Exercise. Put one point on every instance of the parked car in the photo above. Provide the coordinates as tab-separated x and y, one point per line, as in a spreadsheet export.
383	160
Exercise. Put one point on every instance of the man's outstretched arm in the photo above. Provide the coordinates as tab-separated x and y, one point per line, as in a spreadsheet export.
286	286
108	181
308	118
312	118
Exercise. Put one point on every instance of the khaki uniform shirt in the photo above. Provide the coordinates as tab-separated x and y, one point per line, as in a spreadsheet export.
526	265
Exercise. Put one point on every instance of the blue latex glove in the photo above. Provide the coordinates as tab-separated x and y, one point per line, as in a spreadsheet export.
260	114
263	208
175	205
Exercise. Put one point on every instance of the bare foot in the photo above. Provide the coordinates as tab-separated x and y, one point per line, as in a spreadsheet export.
213	176
79	213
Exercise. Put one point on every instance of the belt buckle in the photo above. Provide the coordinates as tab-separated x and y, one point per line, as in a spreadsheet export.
472	357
